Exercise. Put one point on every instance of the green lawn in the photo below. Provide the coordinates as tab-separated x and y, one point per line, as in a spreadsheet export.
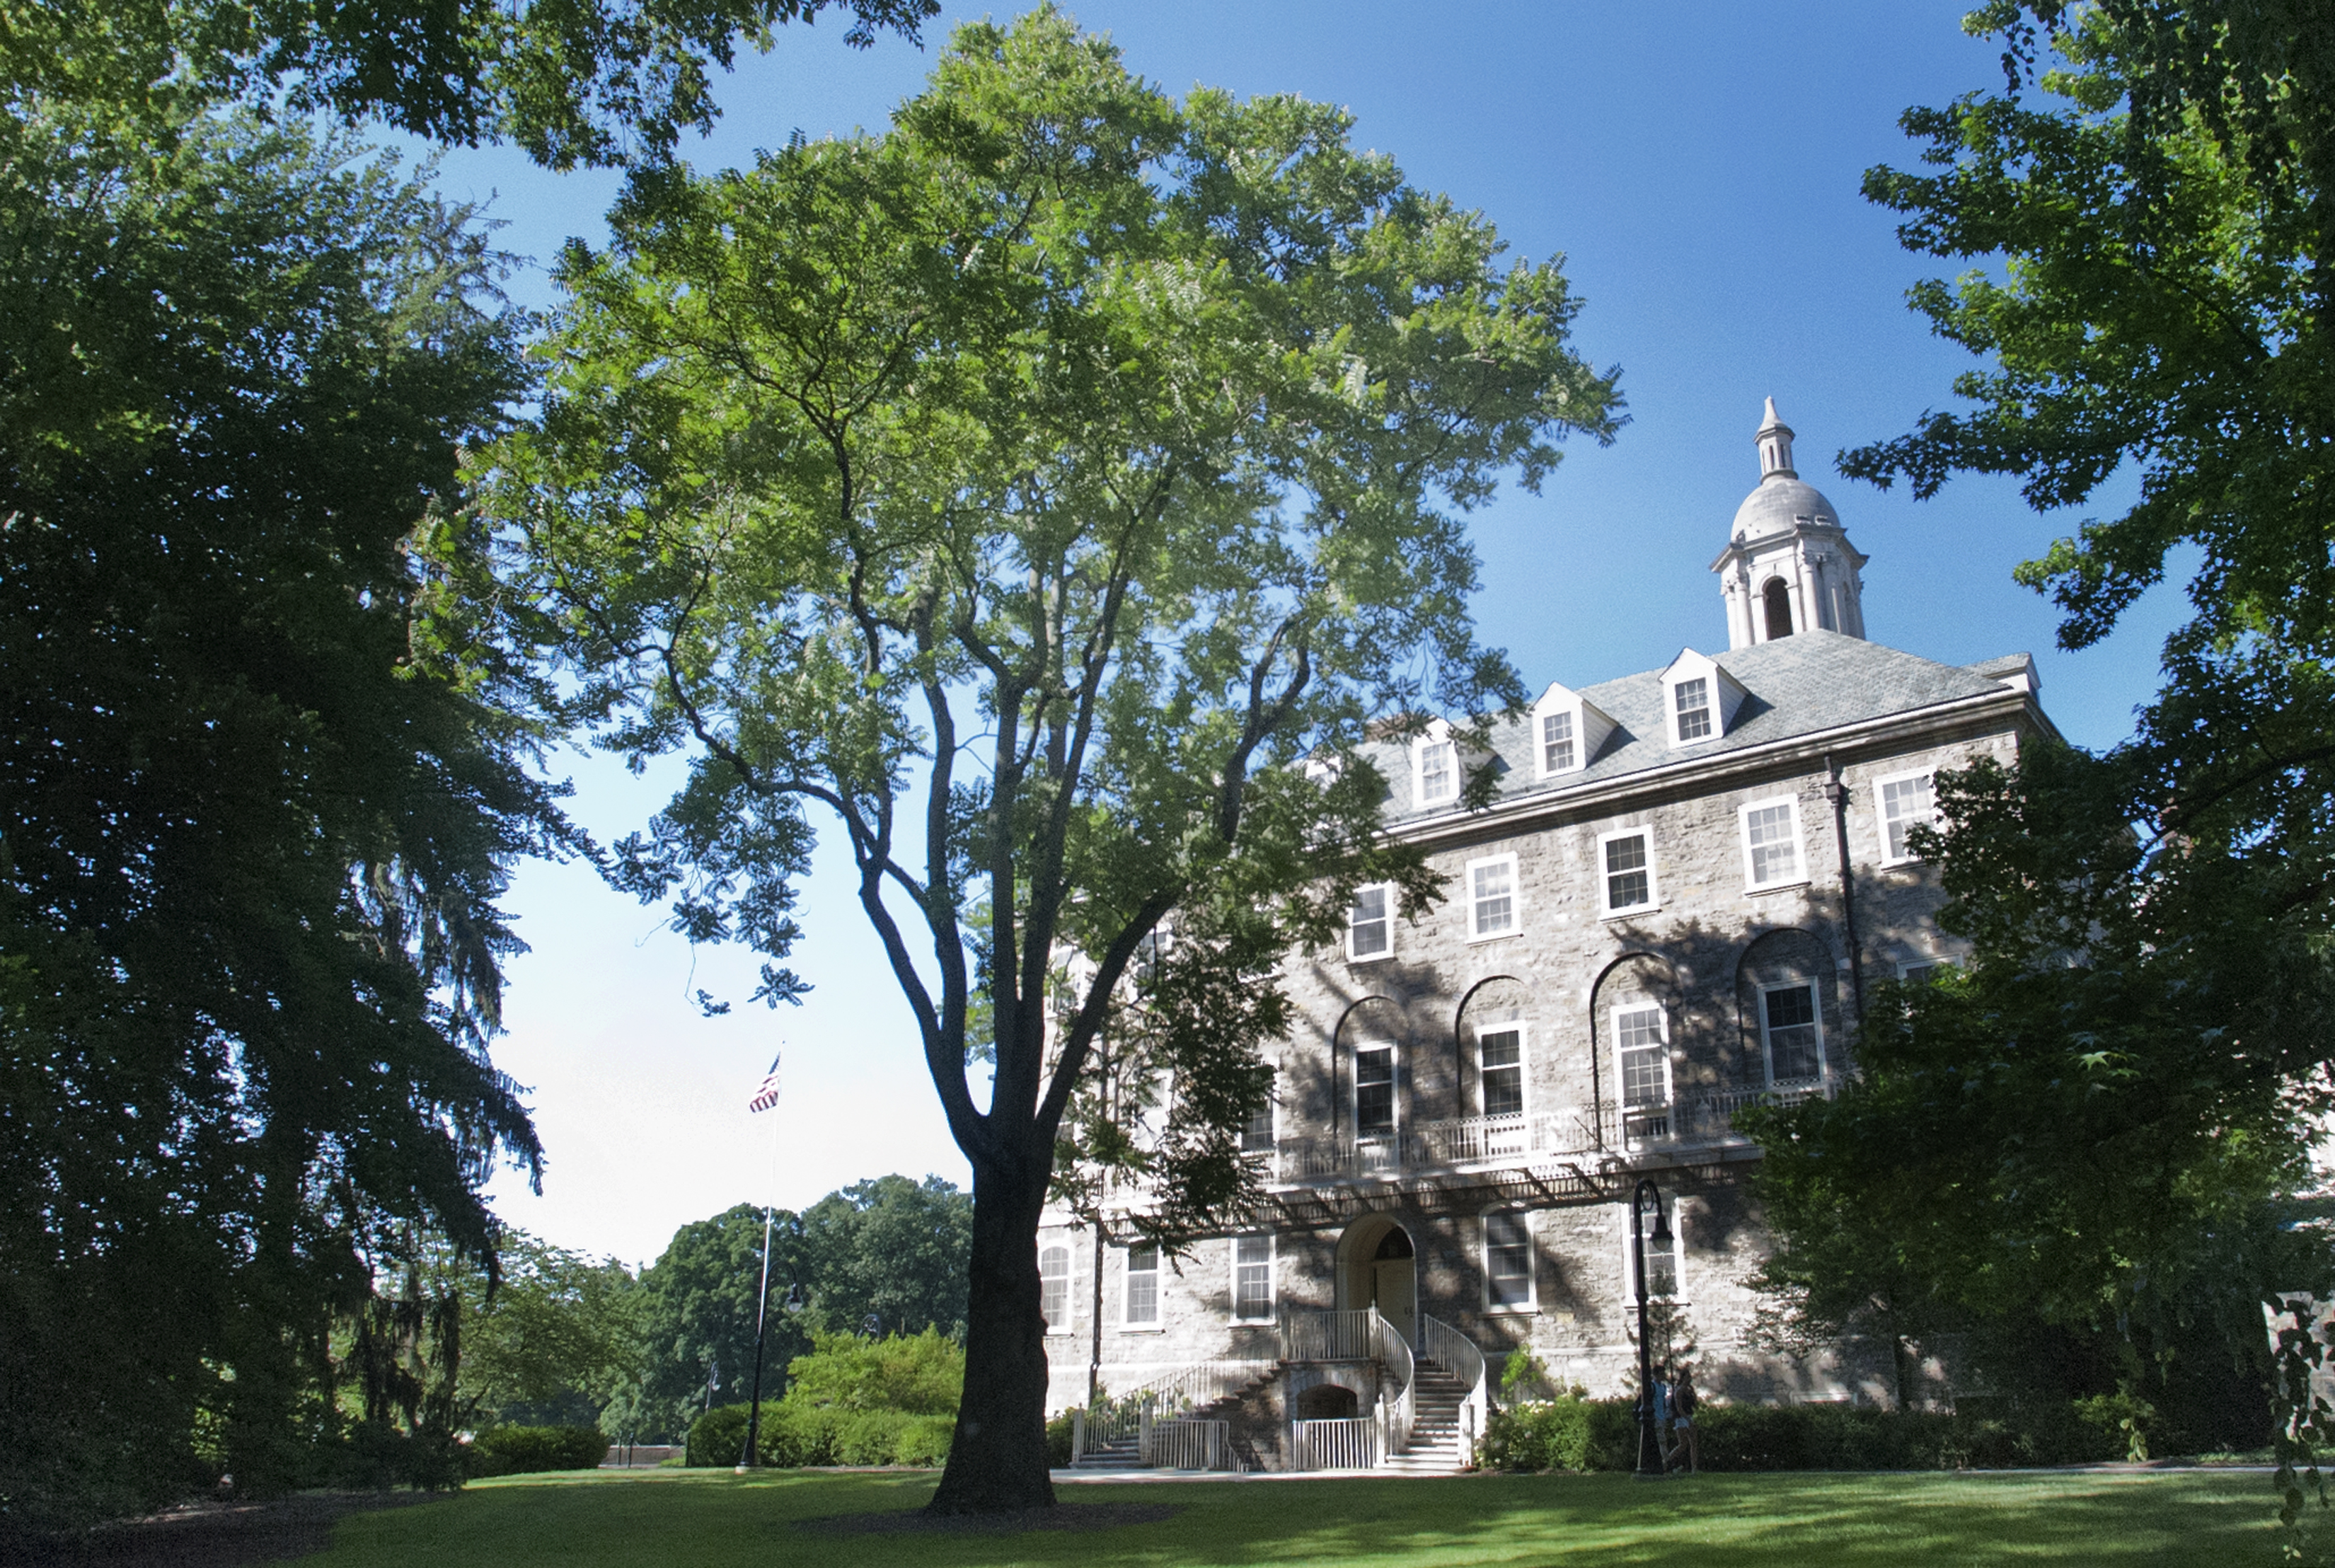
689	1518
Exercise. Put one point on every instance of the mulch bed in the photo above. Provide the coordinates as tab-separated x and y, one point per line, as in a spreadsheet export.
209	1534
1060	1516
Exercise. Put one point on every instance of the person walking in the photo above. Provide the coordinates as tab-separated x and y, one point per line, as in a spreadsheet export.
1683	1402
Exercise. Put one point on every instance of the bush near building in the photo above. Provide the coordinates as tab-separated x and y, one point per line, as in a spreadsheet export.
1578	1434
853	1400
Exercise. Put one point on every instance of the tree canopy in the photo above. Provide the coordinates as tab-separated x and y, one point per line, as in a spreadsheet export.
592	81
1030	490
256	831
2104	1123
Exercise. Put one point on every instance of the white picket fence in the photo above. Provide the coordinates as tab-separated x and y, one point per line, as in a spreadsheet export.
1348	1443
1188	1444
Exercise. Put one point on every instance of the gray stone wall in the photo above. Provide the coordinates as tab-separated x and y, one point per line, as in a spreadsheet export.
1704	954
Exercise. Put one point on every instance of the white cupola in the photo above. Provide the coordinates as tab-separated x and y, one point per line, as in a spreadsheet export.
1789	565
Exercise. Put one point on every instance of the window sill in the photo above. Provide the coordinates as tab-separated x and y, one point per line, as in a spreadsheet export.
1527	1309
1254	1323
1373	958
1753	890
1142	1328
1496	935
1631	913
1901	861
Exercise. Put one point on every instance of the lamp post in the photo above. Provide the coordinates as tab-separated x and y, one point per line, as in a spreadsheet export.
761	1319
1650	1449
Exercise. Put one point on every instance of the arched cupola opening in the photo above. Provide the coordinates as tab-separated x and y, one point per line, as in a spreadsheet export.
1776	602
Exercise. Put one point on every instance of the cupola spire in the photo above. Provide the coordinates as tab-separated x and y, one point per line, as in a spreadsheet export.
1775	446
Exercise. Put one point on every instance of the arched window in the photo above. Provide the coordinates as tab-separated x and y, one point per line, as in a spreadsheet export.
1776	597
1054	1288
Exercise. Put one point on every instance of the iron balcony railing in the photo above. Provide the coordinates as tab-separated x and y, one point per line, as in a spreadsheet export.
1706	1117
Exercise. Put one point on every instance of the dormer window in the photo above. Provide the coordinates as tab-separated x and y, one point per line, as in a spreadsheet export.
1693	698
1567	731
1439	772
1556	743
1699	698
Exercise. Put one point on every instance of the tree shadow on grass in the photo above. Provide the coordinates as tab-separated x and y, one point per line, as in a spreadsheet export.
1766	1521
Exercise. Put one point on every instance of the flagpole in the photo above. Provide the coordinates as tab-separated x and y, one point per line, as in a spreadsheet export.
762	1301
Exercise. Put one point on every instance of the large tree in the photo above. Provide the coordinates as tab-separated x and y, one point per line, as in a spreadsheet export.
2105	1122
255	832
1028	491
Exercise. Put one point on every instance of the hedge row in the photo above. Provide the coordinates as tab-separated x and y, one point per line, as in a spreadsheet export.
523	1450
1603	1435
795	1434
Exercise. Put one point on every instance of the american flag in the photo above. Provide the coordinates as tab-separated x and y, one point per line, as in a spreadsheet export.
765	1093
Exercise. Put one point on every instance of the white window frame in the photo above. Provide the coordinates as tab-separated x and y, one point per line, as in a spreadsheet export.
1572	716
1710	708
1272	1120
1157	1322
1438	734
1816	1005
1531	1304
1907	965
1799	876
1522	1031
1069	1279
1605	911
1621	1079
1881	811
1516	901
1233	1266
1394	1086
1387	888
1678	1255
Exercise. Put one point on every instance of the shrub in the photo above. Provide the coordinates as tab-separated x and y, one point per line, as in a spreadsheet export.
795	1434
922	1374
522	1450
1574	1434
1058	1441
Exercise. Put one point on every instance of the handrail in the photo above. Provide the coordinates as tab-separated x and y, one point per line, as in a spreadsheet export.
1187	1444
1454	1351
1401	1403
1344	1336
1166	1397
1698	1117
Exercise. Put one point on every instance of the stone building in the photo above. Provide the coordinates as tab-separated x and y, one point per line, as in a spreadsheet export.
1672	910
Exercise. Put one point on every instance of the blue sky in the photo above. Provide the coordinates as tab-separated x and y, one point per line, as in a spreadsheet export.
1697	165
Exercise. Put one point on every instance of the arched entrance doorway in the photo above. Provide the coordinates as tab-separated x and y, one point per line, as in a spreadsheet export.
1378	1266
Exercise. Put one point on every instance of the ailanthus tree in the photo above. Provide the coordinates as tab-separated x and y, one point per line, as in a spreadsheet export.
1024	493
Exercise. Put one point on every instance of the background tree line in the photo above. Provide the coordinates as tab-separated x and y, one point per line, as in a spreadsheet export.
556	1338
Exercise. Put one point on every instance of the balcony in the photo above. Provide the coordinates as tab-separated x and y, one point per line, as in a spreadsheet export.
1694	1120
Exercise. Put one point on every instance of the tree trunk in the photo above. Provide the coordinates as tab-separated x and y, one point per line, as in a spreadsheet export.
998	1462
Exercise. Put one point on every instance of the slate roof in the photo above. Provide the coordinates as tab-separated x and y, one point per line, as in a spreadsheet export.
1797	685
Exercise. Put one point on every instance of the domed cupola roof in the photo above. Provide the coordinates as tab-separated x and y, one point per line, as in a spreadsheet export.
1782	496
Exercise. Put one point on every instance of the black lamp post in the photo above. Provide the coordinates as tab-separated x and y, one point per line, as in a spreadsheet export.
1650	1445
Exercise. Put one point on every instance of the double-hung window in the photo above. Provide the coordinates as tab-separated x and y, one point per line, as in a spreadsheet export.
1907	801
1492	898
1692	697
1557	742
1641	1046
1054	1288
1507	1262
1500	1058
1369	925
1253	1279
1772	845
1791	1028
1626	866
1374	1092
1143	1285
1257	1137
1439	772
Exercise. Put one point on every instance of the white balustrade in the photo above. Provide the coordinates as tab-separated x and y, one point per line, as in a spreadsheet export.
1348	1443
1460	1356
1187	1444
1398	1381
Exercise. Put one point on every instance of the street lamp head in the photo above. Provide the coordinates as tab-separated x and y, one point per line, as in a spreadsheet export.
1661	1236
794	1302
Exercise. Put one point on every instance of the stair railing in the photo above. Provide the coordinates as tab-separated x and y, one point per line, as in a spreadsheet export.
1447	1348
1398	1381
1342	1443
1329	1336
1165	1398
